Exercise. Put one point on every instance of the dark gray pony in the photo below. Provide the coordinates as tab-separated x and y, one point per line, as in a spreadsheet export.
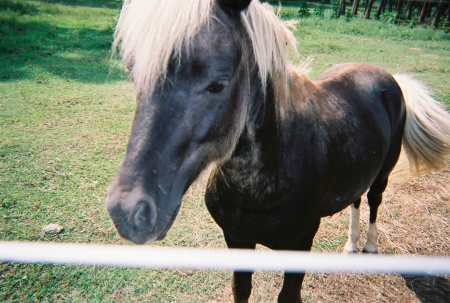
213	85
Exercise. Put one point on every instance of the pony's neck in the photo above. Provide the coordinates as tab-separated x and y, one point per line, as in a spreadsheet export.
271	123
262	133
253	166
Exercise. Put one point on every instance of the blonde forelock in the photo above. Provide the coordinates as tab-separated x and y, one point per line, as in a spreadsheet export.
149	32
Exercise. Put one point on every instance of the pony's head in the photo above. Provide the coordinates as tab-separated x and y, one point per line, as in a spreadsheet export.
197	66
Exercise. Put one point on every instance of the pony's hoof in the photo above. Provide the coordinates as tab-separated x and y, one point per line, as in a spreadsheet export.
350	249
367	251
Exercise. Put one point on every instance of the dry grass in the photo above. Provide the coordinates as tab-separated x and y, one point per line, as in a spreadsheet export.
413	220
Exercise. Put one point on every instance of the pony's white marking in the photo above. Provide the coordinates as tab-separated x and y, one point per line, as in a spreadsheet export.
353	231
216	259
372	234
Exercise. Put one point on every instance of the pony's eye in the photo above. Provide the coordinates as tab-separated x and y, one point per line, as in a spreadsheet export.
217	86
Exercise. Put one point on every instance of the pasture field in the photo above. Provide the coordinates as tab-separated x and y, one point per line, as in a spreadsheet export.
65	113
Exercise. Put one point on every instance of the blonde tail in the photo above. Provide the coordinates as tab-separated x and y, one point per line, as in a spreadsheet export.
426	139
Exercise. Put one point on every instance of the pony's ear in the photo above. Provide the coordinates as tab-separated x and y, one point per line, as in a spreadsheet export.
234	4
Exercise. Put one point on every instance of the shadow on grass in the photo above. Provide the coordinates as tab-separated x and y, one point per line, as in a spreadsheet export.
429	289
40	48
89	3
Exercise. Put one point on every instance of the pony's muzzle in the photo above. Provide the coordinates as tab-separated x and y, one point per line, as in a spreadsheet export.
143	216
134	214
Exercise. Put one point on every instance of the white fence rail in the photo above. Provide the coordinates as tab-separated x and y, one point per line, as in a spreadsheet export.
216	259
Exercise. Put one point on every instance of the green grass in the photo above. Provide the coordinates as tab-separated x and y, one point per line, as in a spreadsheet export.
423	52
65	114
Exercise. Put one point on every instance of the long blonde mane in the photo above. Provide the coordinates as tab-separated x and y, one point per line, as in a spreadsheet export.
149	32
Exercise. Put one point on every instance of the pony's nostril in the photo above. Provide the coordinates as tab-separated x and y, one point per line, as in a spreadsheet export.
144	218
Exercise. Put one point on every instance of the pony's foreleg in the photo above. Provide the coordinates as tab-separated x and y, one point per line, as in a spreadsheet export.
242	286
242	281
292	284
291	291
354	229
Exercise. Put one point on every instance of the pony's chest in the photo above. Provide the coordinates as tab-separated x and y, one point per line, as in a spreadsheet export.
263	217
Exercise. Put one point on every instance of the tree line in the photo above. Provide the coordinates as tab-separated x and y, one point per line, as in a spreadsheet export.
434	9
421	11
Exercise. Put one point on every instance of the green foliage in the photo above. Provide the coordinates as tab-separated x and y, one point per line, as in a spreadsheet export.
376	29
335	5
10	14
303	12
390	17
19	7
319	11
348	16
